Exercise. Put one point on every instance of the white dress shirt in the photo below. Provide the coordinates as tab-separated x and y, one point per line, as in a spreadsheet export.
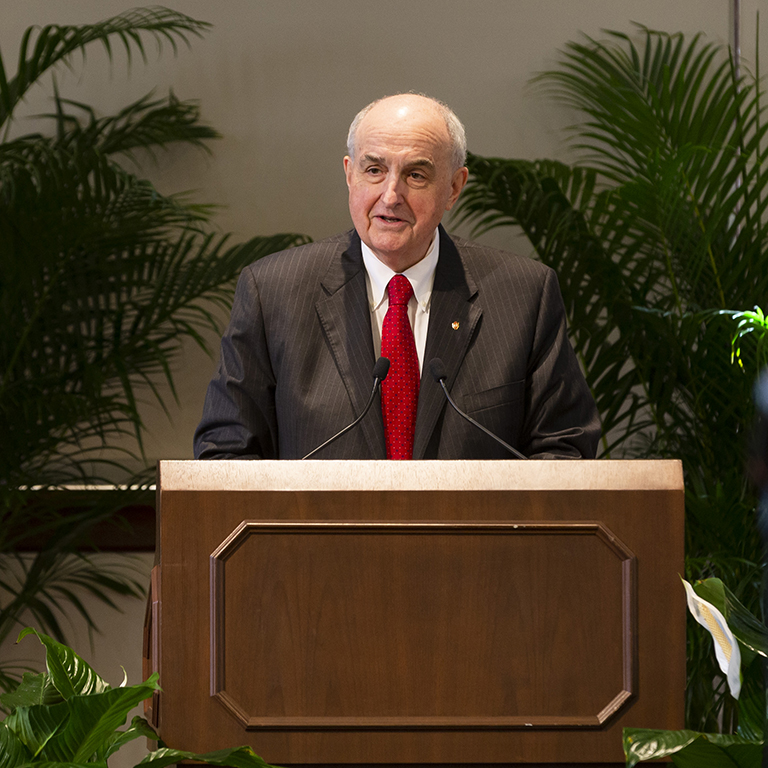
421	277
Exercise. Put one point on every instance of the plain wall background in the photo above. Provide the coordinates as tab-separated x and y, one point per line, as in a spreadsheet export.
281	81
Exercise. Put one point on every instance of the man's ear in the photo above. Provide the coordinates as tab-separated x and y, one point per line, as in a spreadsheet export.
348	169
458	181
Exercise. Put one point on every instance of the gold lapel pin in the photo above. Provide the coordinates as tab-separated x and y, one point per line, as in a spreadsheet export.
455	325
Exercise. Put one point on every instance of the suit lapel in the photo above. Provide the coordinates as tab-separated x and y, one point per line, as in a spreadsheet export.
346	321
452	322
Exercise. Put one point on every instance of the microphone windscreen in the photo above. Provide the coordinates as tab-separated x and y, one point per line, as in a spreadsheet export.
381	369
437	369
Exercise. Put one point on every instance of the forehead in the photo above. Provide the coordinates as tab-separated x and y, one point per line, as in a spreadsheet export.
403	129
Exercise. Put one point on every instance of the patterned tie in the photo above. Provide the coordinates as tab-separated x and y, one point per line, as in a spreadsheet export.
400	390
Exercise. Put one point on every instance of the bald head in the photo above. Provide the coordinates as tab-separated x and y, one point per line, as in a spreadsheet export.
403	102
403	173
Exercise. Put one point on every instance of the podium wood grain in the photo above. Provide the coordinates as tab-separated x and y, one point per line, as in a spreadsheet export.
410	613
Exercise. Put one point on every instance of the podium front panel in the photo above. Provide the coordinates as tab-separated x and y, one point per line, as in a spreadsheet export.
411	613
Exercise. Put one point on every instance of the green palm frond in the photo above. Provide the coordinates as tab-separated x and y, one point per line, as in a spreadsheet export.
101	279
146	124
751	330
100	291
658	236
44	47
43	585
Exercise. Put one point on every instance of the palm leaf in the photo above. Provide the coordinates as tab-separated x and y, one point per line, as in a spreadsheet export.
145	124
43	48
53	581
106	296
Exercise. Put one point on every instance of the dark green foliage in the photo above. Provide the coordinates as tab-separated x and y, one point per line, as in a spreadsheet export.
70	716
102	279
658	238
691	749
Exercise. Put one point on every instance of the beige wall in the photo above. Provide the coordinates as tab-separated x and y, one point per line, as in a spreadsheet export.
281	80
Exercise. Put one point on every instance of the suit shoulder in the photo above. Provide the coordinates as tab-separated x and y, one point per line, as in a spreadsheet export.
302	261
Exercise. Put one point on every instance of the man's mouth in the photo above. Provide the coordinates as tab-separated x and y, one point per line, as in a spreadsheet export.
390	219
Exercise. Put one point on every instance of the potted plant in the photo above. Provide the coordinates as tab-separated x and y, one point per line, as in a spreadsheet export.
741	645
70	716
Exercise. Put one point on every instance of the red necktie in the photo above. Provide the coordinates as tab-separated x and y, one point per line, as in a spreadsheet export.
400	390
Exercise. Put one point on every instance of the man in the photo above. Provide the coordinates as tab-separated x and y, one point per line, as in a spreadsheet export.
308	324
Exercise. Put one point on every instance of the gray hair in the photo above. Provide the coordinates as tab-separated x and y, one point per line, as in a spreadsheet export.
452	123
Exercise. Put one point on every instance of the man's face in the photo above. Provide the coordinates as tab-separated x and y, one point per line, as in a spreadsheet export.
401	180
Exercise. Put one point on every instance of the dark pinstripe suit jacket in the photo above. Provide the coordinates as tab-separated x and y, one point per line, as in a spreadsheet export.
297	356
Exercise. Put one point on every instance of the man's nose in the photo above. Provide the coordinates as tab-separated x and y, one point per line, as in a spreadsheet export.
392	193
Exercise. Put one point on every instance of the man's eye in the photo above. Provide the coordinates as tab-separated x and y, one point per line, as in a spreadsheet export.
373	171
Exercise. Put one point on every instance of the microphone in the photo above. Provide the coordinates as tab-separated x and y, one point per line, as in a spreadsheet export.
437	369
380	371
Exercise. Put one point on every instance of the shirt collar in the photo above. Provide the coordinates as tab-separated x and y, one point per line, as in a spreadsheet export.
421	275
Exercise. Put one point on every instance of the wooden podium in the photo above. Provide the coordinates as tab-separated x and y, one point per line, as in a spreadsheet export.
418	613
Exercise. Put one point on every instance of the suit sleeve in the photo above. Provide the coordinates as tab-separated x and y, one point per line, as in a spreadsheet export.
238	419
562	419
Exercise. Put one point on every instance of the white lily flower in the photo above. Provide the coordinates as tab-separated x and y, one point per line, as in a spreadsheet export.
726	645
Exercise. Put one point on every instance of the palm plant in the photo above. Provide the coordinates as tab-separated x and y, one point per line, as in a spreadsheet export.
656	233
102	278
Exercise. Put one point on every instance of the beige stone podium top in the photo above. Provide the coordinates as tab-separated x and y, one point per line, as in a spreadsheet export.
352	475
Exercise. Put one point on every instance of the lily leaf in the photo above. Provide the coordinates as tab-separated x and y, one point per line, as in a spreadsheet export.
241	757
68	672
35	726
12	750
691	749
33	689
57	764
139	727
93	721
